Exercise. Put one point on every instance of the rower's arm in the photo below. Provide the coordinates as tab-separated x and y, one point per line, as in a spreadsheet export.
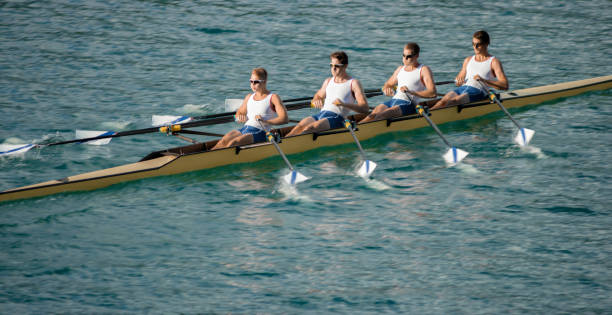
241	113
430	87
502	82
317	99
281	112
460	79
388	87
362	103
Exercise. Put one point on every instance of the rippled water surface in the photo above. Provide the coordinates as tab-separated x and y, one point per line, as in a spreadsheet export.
511	230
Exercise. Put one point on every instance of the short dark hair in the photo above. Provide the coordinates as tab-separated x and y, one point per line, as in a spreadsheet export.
482	36
414	47
261	73
341	56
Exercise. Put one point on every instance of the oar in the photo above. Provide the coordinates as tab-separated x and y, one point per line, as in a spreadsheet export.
524	135
207	120
175	123
164	129
294	177
296	103
453	155
367	166
14	149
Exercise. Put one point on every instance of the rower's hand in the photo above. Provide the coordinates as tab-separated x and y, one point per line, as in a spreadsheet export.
459	81
338	102
405	90
389	91
478	78
258	118
317	103
241	118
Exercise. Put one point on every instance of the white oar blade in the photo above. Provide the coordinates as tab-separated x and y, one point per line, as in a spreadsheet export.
165	120
94	133
366	169
232	104
524	136
14	149
454	155
295	177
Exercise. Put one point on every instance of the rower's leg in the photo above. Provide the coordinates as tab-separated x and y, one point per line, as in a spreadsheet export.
372	116
223	143
241	140
443	102
319	125
394	111
299	128
459	99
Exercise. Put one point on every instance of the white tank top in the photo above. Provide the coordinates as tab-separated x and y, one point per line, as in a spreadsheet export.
411	80
481	68
263	108
342	91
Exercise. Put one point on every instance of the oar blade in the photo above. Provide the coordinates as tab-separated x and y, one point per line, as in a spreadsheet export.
165	120
295	177
523	136
232	104
14	149
94	133
366	169
454	156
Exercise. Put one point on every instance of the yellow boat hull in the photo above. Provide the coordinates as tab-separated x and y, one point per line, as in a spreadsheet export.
196	157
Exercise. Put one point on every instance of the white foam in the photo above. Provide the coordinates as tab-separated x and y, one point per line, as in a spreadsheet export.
328	168
291	192
377	185
467	168
400	156
13	140
115	125
195	108
535	151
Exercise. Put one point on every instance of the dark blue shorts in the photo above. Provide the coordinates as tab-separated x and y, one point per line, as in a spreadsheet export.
474	93
259	135
335	120
406	106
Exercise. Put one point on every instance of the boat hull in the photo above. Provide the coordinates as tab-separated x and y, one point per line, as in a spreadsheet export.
196	157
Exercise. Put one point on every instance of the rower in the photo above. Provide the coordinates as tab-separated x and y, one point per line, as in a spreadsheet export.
482	66
261	104
414	81
341	93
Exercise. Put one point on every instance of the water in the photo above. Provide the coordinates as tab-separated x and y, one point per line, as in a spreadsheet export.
511	230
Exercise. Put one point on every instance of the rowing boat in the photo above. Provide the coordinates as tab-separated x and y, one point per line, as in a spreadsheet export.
198	156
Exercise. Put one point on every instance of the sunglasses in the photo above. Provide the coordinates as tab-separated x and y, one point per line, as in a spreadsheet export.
336	65
408	56
477	45
257	81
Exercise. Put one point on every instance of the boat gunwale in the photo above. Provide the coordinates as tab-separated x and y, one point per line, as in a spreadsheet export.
459	107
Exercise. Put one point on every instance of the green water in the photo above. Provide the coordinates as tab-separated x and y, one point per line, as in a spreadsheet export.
509	231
